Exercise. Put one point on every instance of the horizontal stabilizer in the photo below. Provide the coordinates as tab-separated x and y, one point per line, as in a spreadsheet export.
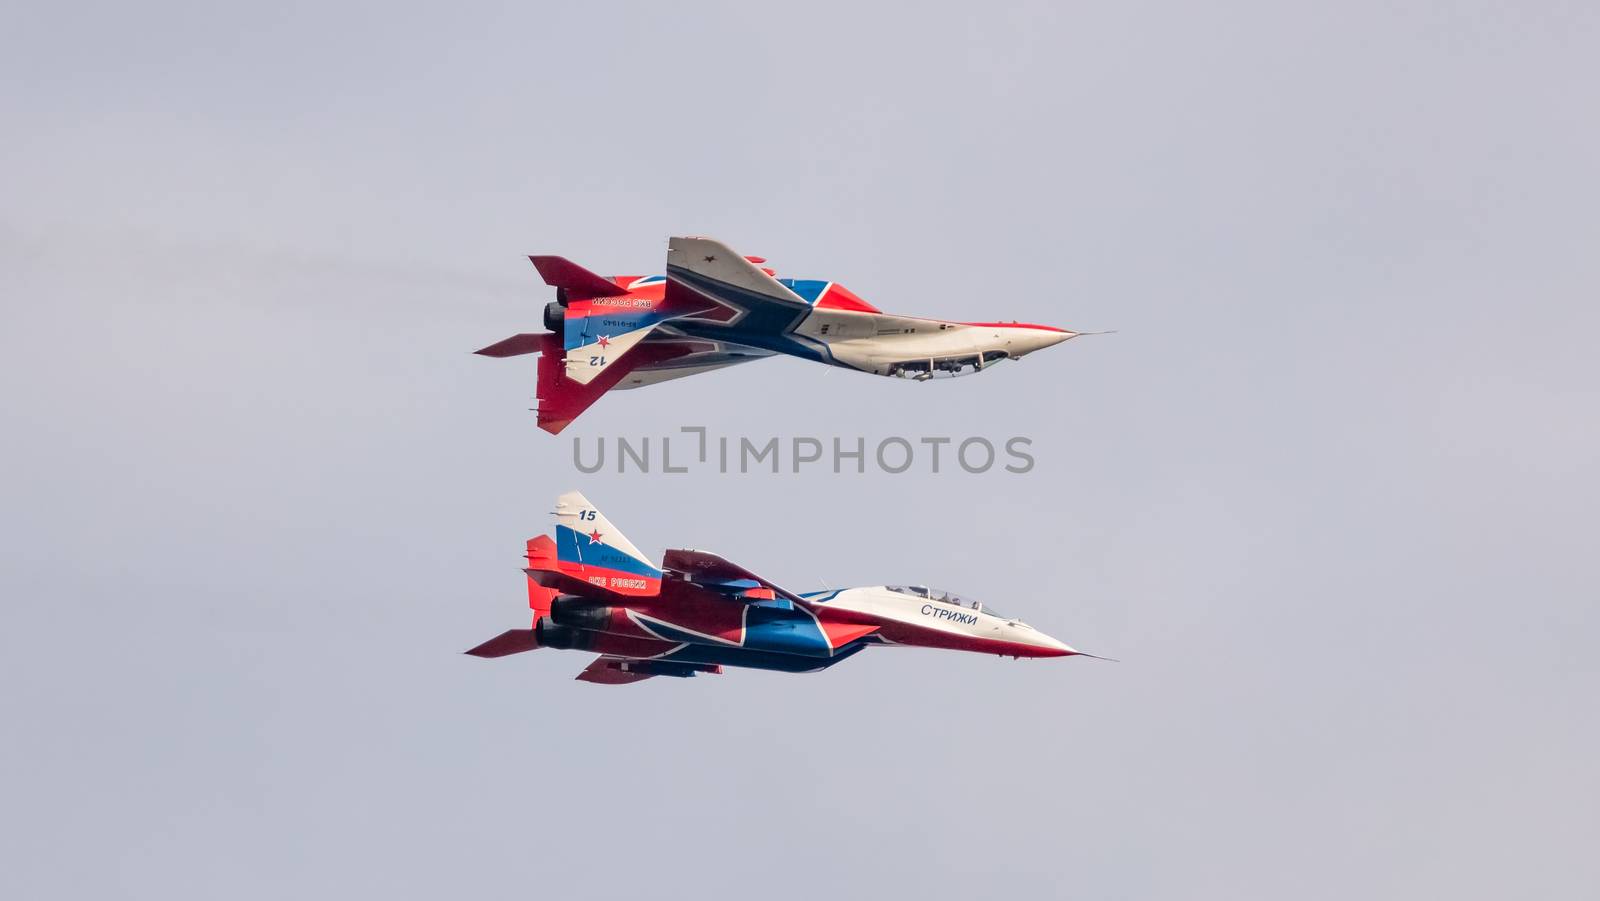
511	641
514	346
578	282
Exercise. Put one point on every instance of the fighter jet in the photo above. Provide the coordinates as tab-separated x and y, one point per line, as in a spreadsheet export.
715	308
590	589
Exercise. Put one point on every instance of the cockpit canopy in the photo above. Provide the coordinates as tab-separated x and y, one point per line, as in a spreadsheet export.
940	596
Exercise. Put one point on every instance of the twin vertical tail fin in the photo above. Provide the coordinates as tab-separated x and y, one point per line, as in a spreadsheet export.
590	548
541	556
598	334
599	321
587	547
515	641
573	282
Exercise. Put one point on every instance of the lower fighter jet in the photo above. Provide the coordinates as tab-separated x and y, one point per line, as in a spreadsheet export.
716	308
591	590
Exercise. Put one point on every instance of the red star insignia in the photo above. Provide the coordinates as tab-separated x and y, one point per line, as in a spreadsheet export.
605	342
594	537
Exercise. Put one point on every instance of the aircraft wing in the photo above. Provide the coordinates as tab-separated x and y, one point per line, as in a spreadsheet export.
736	298
727	578
511	641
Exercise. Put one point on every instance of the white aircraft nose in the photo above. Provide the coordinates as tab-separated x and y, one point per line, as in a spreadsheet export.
1027	339
1053	647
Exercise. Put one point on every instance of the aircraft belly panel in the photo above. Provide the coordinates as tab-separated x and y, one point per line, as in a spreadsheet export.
758	659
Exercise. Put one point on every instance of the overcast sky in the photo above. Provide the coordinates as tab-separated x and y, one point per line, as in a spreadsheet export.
1329	493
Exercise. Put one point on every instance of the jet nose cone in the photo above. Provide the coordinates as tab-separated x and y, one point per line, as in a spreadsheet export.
1025	339
1051	647
1052	338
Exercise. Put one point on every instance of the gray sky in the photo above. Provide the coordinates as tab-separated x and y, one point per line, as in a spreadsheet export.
1330	492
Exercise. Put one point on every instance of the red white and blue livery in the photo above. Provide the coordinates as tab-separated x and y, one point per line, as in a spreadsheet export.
590	589
716	308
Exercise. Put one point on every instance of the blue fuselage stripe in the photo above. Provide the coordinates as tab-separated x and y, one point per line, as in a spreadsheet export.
768	322
786	663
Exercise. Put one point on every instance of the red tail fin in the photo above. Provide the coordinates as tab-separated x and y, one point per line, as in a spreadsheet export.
578	282
541	555
561	399
541	552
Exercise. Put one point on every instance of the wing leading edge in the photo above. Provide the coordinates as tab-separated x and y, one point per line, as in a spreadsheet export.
727	578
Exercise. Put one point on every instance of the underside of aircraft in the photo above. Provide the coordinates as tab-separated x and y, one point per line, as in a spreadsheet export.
715	308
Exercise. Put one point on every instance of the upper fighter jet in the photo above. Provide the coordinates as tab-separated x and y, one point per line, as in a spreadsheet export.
591	590
715	308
